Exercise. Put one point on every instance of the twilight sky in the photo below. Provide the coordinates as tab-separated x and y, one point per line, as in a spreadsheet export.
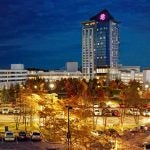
47	33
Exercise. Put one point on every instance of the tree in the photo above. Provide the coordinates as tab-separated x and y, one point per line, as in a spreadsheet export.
5	95
17	119
132	98
12	94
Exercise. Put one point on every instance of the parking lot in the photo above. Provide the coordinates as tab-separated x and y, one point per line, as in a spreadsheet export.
29	145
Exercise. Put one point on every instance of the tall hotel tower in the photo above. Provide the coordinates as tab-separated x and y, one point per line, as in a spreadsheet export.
100	45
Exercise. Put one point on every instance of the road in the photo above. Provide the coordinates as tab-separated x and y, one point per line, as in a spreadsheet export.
29	145
112	121
128	120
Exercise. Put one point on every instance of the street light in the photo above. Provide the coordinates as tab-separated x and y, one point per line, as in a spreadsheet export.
146	87
68	132
52	86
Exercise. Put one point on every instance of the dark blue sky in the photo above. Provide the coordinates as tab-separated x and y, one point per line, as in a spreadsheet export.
47	33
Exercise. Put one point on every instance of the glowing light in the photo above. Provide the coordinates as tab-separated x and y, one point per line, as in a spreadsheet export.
52	86
145	120
112	104
146	87
35	86
102	17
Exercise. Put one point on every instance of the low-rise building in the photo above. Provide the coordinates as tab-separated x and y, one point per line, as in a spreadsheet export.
146	75
54	75
17	74
128	73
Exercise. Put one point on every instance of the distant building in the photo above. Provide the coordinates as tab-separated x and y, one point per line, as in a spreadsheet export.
72	66
129	68
17	66
128	73
55	75
16	75
100	45
146	75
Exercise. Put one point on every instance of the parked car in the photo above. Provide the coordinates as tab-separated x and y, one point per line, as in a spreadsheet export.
134	111
5	111
97	132
36	136
134	130
106	112
146	112
96	105
22	136
115	113
146	145
97	112
16	111
9	136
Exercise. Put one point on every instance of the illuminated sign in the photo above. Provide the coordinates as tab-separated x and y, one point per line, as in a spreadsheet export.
102	16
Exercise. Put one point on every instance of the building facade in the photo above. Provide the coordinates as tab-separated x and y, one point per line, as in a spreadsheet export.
16	75
100	45
54	75
72	66
146	75
128	73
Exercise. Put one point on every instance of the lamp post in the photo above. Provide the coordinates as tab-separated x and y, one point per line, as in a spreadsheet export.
68	132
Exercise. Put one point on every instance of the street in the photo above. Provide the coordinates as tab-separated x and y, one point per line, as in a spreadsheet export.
129	120
29	145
